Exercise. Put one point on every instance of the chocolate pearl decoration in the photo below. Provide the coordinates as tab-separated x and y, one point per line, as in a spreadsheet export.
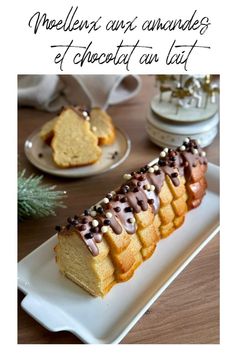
151	170
163	154
174	174
69	220
94	230
107	222
85	220
162	163
117	209
141	178
150	201
100	210
123	200
128	210
104	229
131	220
82	228
141	203
127	176
58	228
88	236
95	223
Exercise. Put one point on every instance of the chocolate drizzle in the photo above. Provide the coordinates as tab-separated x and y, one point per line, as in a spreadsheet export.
139	193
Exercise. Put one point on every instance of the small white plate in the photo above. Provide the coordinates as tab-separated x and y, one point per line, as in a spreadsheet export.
58	304
40	155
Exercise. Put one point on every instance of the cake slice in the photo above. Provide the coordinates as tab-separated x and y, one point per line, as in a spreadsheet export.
73	143
105	244
102	126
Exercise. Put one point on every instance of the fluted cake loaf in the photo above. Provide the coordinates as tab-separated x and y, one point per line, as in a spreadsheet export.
110	240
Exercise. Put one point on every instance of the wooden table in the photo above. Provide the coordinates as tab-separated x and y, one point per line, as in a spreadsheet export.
188	311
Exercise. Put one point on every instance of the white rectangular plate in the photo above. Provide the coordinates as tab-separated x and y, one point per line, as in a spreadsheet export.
58	304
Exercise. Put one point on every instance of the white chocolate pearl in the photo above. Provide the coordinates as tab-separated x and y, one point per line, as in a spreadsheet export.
113	193
105	200
98	206
85	114
94	129
166	150
108	215
95	223
163	154
104	229
127	176
147	187
182	148
203	153
132	220
186	140
152	188
195	151
151	170
156	168
93	213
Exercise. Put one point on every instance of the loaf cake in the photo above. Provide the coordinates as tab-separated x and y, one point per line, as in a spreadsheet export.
73	143
105	244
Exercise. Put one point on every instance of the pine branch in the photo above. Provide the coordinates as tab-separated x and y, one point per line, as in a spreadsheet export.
35	199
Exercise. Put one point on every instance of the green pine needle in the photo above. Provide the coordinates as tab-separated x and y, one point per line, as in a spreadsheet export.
35	199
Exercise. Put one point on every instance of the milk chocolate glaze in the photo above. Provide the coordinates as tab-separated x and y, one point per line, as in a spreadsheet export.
139	193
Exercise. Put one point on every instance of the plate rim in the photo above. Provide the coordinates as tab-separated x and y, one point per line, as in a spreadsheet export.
59	174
